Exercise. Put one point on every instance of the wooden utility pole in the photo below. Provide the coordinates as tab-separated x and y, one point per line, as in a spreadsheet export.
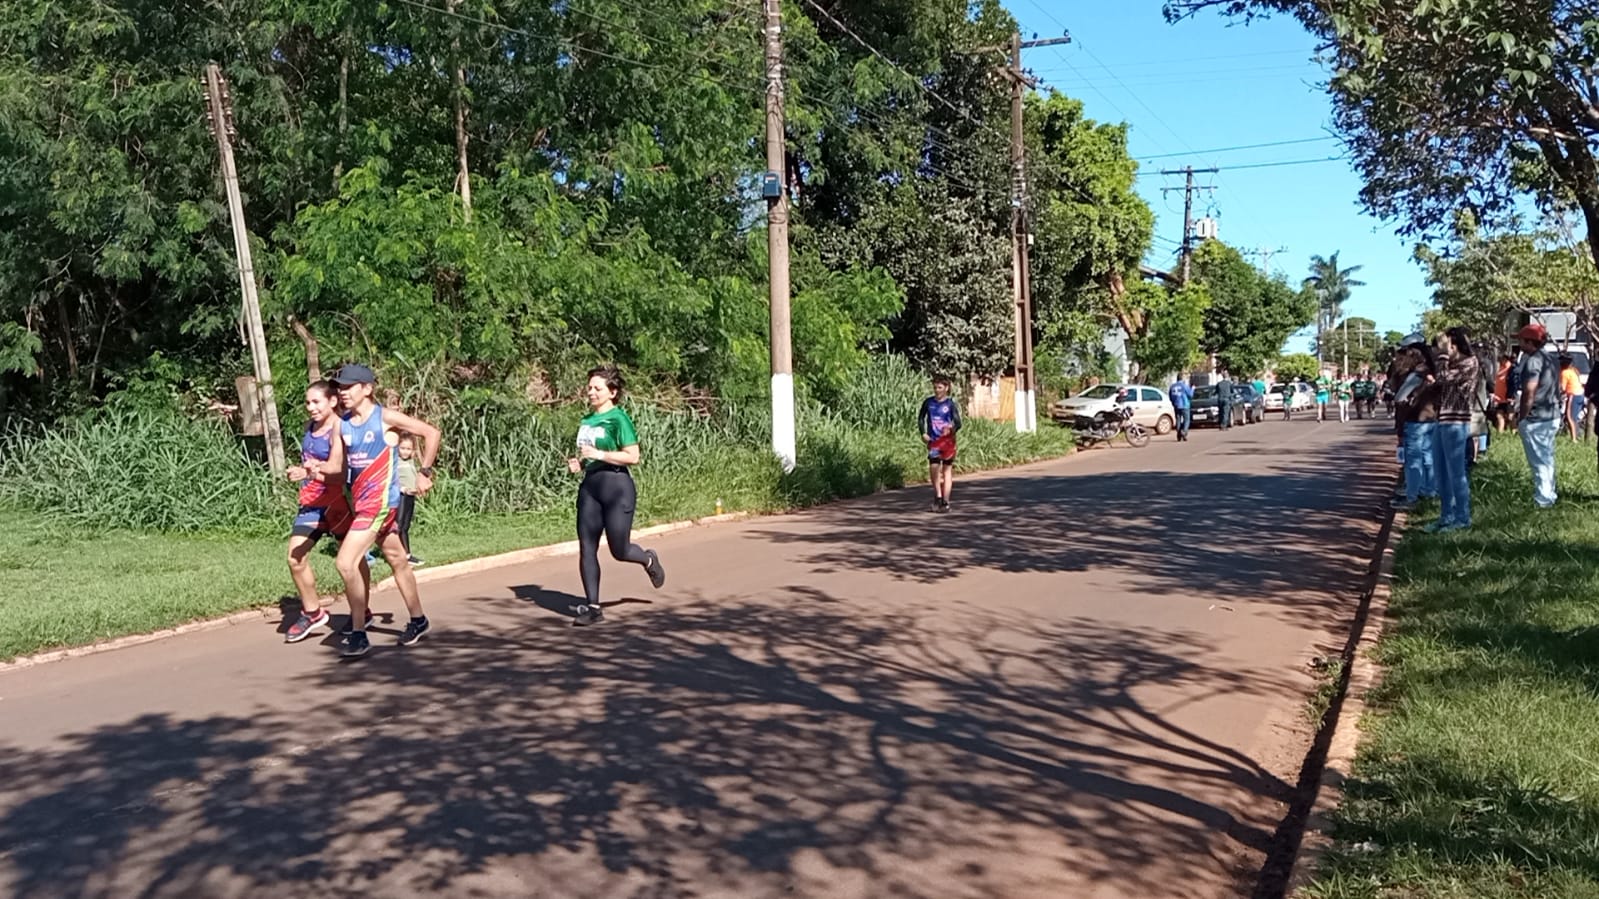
1188	214
220	113
1021	234
774	187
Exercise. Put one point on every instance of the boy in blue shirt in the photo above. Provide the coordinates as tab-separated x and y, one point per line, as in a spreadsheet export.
938	420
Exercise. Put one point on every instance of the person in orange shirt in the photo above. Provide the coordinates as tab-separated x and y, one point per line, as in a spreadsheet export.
1575	397
1502	404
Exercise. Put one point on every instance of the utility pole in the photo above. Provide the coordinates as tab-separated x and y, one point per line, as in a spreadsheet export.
775	188
220	113
1265	254
1021	235
1188	213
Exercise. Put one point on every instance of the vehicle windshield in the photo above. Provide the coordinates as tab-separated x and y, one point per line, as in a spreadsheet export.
1283	389
1101	392
1204	393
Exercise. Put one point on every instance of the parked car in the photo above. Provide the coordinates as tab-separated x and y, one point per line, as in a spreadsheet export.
1205	406
1254	403
1150	406
1303	397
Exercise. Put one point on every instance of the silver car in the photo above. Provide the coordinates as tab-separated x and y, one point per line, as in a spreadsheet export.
1151	408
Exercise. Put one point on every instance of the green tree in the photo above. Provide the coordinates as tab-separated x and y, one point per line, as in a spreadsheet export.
1250	315
1297	367
1173	320
1451	103
1354	339
1331	286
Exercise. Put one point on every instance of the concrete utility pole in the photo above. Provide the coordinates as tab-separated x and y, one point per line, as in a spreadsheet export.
1188	213
220	113
775	188
1021	235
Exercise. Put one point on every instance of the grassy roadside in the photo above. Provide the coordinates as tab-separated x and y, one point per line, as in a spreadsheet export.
1478	774
63	585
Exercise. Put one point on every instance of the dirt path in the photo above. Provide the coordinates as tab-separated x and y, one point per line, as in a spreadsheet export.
1086	681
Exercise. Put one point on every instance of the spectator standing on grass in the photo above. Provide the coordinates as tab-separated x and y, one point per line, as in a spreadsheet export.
1453	379
1501	395
408	477
1571	394
1182	403
1539	410
1224	402
1414	418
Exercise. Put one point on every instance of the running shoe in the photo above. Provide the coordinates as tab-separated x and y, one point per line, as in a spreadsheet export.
415	631
654	570
415	562
349	624
356	645
306	625
938	504
943	505
587	614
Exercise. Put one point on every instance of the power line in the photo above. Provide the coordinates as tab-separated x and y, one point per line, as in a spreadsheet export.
897	67
1136	99
1270	165
1276	143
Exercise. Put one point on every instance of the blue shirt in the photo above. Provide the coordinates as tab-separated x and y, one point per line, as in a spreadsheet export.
1181	395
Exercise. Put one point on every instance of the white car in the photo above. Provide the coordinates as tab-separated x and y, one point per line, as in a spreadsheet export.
1304	397
1150	406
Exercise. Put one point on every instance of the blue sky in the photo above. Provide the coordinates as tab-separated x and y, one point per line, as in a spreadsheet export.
1204	84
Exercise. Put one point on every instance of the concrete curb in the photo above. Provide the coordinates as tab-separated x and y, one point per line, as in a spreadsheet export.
423	576
1363	676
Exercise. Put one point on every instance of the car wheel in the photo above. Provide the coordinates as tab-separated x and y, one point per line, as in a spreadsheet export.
1164	425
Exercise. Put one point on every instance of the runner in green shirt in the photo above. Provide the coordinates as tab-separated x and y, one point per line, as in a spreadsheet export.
607	446
1346	392
1323	386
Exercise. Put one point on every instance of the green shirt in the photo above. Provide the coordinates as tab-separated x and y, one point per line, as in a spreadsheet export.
1366	388
1344	390
1322	383
606	431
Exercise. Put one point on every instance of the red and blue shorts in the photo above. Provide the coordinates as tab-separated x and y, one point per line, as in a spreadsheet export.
316	522
942	450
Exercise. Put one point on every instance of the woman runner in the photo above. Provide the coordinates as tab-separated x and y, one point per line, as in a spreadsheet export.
323	509
607	446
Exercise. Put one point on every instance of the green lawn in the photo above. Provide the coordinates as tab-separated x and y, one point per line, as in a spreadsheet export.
1478	775
65	586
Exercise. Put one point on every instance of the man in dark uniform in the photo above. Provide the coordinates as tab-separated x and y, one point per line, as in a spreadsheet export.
1224	401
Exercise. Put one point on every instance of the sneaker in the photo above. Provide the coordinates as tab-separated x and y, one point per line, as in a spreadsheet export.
943	505
938	504
415	562
587	614
654	570
415	631
306	625
356	645
348	627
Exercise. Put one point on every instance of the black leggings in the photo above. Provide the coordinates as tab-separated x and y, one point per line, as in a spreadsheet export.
605	505
402	522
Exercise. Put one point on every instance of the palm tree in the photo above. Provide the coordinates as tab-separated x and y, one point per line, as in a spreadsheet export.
1331	285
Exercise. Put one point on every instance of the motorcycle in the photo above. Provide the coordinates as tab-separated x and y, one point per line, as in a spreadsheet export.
1103	427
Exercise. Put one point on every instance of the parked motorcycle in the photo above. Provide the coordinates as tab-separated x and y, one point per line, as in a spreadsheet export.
1103	427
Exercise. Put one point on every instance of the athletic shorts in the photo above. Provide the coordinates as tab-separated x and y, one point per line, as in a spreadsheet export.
942	451
317	522
378	520
1321	398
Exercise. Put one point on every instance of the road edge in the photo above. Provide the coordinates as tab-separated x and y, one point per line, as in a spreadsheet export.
457	569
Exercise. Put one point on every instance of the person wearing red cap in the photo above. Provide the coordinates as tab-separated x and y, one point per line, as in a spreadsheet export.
1540	410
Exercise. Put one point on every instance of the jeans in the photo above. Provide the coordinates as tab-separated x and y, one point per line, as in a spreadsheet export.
1419	478
1224	415
1185	419
1538	439
1451	447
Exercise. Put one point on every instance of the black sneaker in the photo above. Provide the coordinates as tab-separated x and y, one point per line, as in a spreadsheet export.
587	614
654	570
938	504
415	631
356	645
306	625
943	505
415	562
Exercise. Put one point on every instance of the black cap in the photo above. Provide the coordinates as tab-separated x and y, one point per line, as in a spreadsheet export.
354	374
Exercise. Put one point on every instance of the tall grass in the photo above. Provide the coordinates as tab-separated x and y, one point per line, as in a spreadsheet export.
159	470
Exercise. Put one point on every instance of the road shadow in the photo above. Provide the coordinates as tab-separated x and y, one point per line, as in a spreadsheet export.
783	745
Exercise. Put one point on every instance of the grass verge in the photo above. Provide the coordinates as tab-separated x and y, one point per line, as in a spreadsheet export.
67	585
1478	774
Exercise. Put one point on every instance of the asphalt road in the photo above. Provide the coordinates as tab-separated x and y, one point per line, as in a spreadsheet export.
1088	680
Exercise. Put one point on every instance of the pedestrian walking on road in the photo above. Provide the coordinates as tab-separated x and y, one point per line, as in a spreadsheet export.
1539	410
1182	403
939	420
608	447
1345	394
324	511
370	434
1323	389
1224	402
1454	379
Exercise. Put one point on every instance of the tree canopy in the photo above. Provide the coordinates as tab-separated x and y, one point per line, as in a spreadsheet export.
1250	314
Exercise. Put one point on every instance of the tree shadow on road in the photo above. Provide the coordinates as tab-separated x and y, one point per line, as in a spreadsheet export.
719	746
